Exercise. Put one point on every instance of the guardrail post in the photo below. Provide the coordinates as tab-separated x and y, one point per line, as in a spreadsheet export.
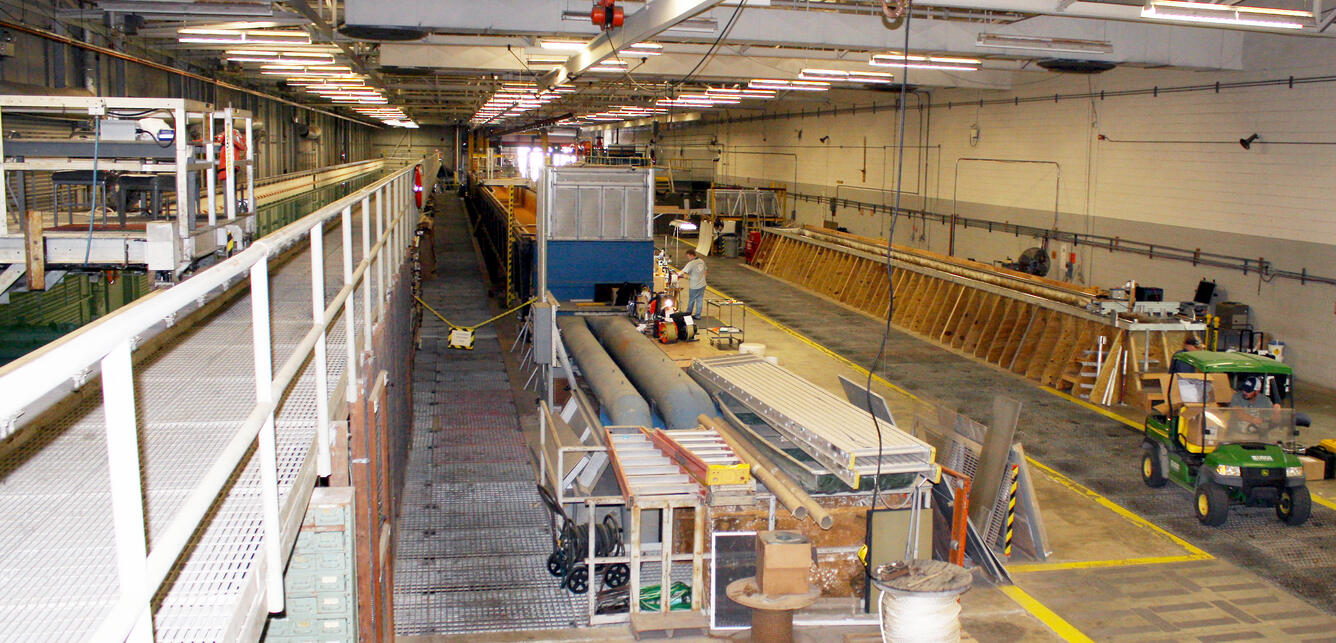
127	496
268	448
350	312
380	256
366	281
322	462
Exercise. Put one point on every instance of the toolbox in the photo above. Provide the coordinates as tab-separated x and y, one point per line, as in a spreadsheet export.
1327	455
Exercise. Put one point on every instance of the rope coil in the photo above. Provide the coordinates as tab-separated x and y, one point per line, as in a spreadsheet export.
909	618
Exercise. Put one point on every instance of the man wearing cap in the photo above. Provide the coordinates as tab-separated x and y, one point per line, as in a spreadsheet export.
1190	343
1249	395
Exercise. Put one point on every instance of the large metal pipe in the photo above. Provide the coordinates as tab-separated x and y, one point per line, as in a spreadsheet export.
677	397
615	393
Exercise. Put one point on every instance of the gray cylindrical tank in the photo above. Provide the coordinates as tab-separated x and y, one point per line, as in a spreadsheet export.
621	401
678	398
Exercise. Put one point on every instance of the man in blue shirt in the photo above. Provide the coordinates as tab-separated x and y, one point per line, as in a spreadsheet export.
695	270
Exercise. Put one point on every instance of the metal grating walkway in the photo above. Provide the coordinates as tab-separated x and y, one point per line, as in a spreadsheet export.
57	559
473	536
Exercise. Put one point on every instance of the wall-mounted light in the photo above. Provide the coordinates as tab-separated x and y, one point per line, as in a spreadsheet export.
1227	14
1039	43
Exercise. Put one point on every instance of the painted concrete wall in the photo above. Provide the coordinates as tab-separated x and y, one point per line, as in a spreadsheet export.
427	139
1164	168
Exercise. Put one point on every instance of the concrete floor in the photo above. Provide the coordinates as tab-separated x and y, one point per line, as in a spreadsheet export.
1129	563
1159	574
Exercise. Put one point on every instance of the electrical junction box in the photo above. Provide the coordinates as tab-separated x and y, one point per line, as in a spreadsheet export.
544	327
112	129
1232	314
783	560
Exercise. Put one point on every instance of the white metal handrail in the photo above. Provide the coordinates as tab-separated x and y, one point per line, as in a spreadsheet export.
108	344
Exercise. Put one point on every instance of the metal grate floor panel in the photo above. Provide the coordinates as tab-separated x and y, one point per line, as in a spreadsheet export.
57	561
473	539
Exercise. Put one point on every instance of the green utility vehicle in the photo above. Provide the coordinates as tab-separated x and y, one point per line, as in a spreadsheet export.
1228	446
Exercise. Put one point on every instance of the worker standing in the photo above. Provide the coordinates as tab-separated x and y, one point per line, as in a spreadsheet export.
695	271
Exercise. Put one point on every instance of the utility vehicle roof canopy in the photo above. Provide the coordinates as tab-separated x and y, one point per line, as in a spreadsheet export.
1218	362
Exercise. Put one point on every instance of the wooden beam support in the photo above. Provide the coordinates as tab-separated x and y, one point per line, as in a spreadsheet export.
36	250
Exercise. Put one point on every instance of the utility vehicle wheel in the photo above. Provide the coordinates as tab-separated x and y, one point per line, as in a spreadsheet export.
1150	467
1294	506
1212	504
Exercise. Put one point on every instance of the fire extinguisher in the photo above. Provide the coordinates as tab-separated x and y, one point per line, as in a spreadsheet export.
606	14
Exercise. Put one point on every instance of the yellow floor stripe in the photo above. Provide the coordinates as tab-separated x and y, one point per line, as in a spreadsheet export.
1322	501
1045	615
1057	477
1093	407
1025	568
1115	507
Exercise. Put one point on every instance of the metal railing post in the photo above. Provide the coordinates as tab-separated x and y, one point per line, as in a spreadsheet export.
268	448
211	173
127	496
230	156
350	308
366	283
380	256
322	462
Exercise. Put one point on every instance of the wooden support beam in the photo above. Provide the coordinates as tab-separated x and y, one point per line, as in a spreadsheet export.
36	250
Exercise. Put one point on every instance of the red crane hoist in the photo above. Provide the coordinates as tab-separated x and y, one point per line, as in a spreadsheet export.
607	15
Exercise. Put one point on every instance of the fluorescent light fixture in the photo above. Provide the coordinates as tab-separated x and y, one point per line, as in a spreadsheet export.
607	68
1040	43
842	76
1227	14
644	49
789	85
916	61
238	37
562	45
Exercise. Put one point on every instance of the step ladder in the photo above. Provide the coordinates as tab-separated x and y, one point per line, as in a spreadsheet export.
712	462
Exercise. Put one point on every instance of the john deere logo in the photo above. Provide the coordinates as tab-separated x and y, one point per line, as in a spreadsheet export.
1265	472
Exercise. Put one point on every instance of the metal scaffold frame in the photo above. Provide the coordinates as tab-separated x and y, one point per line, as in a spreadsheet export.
41	379
163	246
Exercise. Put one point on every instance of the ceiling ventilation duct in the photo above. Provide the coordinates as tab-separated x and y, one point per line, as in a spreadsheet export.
1069	66
382	34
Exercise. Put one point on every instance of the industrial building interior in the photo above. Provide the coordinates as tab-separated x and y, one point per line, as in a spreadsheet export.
841	320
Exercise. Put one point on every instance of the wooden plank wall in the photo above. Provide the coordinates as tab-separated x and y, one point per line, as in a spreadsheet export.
1047	346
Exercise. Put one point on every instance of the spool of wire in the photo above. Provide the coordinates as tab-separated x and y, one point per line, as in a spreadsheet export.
920	601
